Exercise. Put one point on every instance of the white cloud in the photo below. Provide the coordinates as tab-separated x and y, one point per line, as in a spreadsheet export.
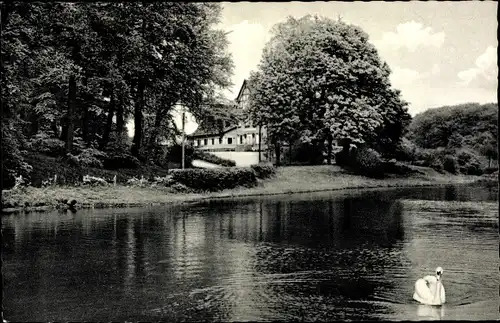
435	70
403	76
411	35
246	43
484	74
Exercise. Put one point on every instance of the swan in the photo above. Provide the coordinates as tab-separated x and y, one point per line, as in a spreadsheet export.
430	290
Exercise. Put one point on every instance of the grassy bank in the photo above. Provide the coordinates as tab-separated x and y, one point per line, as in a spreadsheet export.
296	179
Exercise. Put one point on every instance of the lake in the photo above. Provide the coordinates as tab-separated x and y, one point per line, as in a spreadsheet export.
347	255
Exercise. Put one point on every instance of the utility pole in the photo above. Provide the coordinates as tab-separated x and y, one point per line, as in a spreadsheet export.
260	141
183	133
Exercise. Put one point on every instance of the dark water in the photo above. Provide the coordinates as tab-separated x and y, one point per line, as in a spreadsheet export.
329	256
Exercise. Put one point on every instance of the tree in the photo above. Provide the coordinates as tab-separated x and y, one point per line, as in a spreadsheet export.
78	70
469	125
319	80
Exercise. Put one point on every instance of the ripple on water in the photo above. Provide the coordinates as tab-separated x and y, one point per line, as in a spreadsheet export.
319	259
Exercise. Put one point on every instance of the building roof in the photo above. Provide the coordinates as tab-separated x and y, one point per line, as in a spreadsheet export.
243	86
211	132
213	127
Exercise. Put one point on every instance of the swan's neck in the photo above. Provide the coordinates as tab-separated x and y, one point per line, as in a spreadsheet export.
437	292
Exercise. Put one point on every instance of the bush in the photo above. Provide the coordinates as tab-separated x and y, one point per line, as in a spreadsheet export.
406	151
89	157
469	163
119	160
490	170
214	159
342	158
264	171
368	162
46	145
303	153
215	179
450	164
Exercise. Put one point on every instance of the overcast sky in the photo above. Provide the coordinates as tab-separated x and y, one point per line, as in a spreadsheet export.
440	53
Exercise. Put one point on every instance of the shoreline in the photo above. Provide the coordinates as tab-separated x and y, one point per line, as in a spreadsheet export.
288	180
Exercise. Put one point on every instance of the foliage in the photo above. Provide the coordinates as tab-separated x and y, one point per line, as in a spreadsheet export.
121	160
45	144
470	125
214	159
45	168
319	80
450	164
406	150
464	161
304	153
94	181
89	157
368	162
215	179
74	72
264	171
469	163
13	163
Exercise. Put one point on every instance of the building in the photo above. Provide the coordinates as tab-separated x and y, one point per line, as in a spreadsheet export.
237	139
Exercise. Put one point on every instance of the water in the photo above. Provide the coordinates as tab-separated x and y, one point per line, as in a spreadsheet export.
324	256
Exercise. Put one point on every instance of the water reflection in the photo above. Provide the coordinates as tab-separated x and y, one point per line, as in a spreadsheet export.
314	257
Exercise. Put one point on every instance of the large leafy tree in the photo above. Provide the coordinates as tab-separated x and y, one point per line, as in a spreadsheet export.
81	69
319	80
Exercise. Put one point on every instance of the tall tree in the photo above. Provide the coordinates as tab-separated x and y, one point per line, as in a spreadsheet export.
319	80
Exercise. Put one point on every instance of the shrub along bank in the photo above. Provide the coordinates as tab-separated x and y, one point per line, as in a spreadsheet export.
368	162
215	179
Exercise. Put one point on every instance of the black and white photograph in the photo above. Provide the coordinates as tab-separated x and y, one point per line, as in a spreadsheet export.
249	161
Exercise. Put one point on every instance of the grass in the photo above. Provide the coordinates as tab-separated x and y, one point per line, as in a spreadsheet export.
292	179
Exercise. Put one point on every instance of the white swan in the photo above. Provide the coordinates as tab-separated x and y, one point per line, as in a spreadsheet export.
430	290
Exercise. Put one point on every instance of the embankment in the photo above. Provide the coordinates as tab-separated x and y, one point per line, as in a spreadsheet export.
296	179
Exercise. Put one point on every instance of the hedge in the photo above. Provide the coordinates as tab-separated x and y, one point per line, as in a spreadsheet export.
264	171
215	179
214	159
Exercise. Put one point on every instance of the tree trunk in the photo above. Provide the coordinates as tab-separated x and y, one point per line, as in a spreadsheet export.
138	108
55	129
277	153
71	113
330	142
109	121
64	128
86	117
159	117
289	153
34	125
120	120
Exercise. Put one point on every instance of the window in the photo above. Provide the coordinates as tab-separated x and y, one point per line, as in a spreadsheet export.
229	141
220	141
241	139
253	136
198	142
213	141
205	142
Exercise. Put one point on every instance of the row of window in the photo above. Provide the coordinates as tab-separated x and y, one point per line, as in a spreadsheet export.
212	141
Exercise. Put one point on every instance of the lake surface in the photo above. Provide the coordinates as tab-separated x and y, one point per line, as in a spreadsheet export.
351	255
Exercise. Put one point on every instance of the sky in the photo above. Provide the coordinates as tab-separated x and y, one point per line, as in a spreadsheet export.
440	53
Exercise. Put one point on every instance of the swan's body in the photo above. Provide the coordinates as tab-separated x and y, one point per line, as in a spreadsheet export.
430	290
